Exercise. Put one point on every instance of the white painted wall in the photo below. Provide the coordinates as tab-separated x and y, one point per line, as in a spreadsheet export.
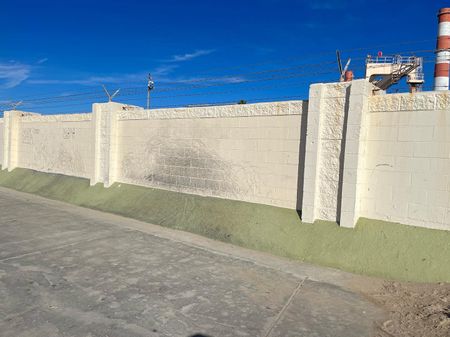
246	152
342	155
407	160
57	144
1	141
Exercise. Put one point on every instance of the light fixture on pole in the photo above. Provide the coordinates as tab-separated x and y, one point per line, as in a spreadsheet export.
150	87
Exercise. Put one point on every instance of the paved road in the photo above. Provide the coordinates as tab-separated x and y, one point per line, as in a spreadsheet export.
67	271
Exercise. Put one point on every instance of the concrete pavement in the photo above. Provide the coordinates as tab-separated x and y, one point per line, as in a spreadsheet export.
69	271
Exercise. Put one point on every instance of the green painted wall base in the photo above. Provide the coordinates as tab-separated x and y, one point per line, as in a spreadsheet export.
374	248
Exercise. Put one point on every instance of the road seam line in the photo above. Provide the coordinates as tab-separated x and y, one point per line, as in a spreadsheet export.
51	249
283	310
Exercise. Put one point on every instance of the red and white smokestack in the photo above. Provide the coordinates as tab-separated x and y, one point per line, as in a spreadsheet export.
442	67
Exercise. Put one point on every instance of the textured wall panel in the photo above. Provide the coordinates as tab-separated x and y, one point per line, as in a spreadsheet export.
252	156
58	144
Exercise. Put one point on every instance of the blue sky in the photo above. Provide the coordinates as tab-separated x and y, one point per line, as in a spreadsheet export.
252	50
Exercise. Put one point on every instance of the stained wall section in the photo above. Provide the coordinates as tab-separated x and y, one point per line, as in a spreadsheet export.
241	152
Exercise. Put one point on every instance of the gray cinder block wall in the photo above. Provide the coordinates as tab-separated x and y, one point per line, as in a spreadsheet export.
343	154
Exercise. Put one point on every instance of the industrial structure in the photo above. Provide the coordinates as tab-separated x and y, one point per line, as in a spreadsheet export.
441	70
384	71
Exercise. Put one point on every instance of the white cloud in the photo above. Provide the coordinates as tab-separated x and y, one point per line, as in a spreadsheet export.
159	73
164	69
12	74
190	56
43	60
93	80
162	74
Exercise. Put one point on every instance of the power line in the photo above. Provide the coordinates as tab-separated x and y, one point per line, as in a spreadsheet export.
321	53
278	61
96	94
139	90
235	90
204	103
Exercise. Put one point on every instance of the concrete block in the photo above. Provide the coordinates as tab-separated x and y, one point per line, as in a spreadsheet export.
308	215
412	164
383	133
335	90
436	214
436	198
432	150
348	219
328	201
380	163
441	134
423	101
439	165
328	214
385	119
427	181
442	101
377	104
416	133
315	90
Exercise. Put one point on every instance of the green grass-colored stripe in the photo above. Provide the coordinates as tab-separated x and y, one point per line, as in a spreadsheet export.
375	248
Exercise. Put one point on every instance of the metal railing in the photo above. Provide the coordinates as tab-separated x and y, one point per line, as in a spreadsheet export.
396	59
417	76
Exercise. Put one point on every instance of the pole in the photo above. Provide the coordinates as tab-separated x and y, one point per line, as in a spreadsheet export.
150	87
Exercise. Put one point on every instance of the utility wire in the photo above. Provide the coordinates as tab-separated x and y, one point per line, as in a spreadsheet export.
138	90
96	94
87	92
235	90
322	53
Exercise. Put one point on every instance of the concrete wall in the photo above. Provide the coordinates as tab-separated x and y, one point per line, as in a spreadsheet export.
406	175
1	141
57	144
327	112
243	152
343	154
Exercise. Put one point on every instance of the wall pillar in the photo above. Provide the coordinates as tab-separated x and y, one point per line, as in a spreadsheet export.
334	151
309	206
327	108
10	139
354	151
104	121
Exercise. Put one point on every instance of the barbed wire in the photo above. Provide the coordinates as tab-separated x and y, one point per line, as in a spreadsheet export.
99	91
139	90
190	86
